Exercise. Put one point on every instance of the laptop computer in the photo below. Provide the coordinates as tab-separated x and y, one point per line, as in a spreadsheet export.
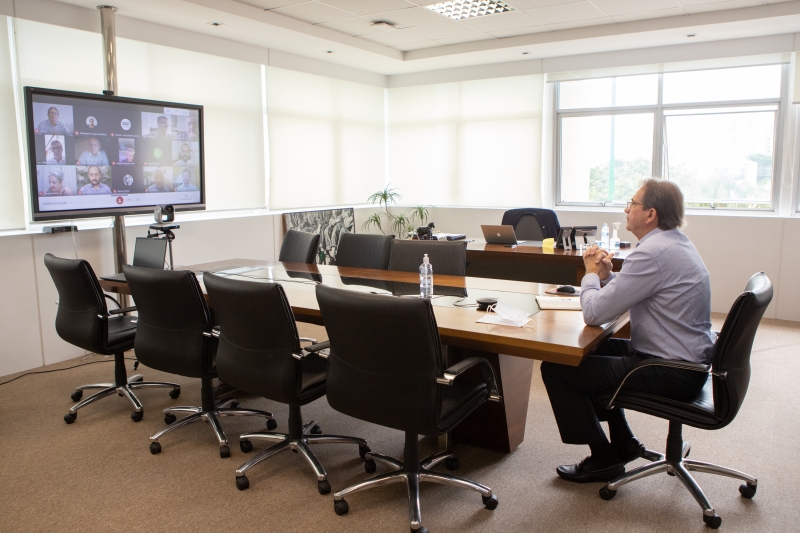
147	253
500	235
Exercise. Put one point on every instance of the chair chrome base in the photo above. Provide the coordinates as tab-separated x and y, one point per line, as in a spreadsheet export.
212	416
298	445
108	389
681	467
412	481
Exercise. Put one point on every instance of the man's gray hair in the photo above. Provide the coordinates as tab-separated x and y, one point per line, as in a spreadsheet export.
667	199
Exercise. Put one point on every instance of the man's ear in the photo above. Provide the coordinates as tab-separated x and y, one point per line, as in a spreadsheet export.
651	216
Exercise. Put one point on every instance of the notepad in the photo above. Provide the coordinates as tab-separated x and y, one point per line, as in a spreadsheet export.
556	302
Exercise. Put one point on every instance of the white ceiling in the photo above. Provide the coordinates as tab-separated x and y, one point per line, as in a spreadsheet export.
420	39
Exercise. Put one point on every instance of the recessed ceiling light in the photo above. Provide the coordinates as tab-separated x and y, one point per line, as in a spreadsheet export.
216	23
691	35
463	9
382	24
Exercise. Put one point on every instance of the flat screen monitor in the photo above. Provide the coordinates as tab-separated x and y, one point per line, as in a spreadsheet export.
94	155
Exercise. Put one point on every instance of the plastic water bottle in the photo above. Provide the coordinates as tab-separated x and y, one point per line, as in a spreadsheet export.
425	278
604	236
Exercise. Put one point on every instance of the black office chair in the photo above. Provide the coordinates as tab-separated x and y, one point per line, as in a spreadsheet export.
364	250
386	367
299	247
714	408
84	320
532	223
447	258
174	335
259	352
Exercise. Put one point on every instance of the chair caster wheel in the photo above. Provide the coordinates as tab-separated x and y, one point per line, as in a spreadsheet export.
169	418
137	416
246	446
363	451
452	463
70	418
316	430
607	494
340	507
323	486
174	393
155	448
272	424
370	466
77	395
420	530
224	452
713	521
242	483
747	491
490	502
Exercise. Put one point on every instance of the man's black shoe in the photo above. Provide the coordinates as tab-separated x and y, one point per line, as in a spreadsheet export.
630	451
590	470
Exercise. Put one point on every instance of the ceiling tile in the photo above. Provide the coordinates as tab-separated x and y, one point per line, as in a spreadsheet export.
367	7
501	21
443	30
502	34
564	13
700	6
394	38
582	23
404	18
624	7
353	26
465	39
417	46
313	12
271	4
674	12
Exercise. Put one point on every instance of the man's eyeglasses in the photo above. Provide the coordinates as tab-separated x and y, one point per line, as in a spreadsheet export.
630	203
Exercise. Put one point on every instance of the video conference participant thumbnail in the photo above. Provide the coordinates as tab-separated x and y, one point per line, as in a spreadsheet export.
185	179
185	154
127	151
157	126
55	180
158	179
127	179
54	150
52	119
154	152
91	151
94	179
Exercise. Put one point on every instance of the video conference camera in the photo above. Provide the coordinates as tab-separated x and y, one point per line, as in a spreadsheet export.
164	213
425	233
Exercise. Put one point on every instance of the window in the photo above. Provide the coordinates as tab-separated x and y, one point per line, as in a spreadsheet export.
713	132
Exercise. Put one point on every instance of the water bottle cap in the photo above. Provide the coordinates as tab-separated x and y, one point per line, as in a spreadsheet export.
425	259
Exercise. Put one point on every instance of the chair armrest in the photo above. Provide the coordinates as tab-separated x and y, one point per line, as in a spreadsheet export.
459	368
308	339
322	349
684	365
213	333
113	300
121	311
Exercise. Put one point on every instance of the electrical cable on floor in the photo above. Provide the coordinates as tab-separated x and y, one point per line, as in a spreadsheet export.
60	369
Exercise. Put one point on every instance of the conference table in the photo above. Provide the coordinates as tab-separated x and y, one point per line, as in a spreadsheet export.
531	262
557	336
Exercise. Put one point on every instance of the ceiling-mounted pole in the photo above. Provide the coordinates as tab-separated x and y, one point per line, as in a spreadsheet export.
108	30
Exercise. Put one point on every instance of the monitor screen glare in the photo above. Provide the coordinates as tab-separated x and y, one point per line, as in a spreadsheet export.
93	155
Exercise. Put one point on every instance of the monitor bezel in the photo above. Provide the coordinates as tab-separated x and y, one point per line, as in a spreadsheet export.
42	216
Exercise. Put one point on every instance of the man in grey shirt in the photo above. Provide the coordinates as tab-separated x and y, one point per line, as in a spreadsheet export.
52	126
58	154
95	186
94	155
665	286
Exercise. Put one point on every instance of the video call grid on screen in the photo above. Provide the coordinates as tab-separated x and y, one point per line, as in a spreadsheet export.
94	155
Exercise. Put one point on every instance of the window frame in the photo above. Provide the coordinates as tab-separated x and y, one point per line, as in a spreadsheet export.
659	156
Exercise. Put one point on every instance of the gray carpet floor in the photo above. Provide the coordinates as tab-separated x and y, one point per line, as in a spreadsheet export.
98	475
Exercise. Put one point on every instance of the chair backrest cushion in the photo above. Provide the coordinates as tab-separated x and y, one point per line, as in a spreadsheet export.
448	258
80	303
364	250
299	247
258	336
385	357
547	218
173	316
528	228
734	345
